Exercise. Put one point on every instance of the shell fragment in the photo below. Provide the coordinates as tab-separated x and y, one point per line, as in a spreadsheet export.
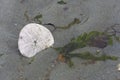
34	38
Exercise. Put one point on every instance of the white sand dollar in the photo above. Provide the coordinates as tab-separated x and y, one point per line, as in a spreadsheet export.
34	38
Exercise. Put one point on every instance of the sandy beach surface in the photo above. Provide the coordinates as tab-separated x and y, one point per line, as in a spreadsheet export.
93	14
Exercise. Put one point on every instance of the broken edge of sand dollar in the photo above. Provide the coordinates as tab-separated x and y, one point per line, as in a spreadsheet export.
34	38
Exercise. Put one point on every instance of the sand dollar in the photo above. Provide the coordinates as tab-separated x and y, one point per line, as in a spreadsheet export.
34	38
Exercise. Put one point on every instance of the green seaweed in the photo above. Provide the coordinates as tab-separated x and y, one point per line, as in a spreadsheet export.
84	40
86	36
71	46
31	60
90	56
37	18
93	34
75	21
110	41
61	2
93	38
